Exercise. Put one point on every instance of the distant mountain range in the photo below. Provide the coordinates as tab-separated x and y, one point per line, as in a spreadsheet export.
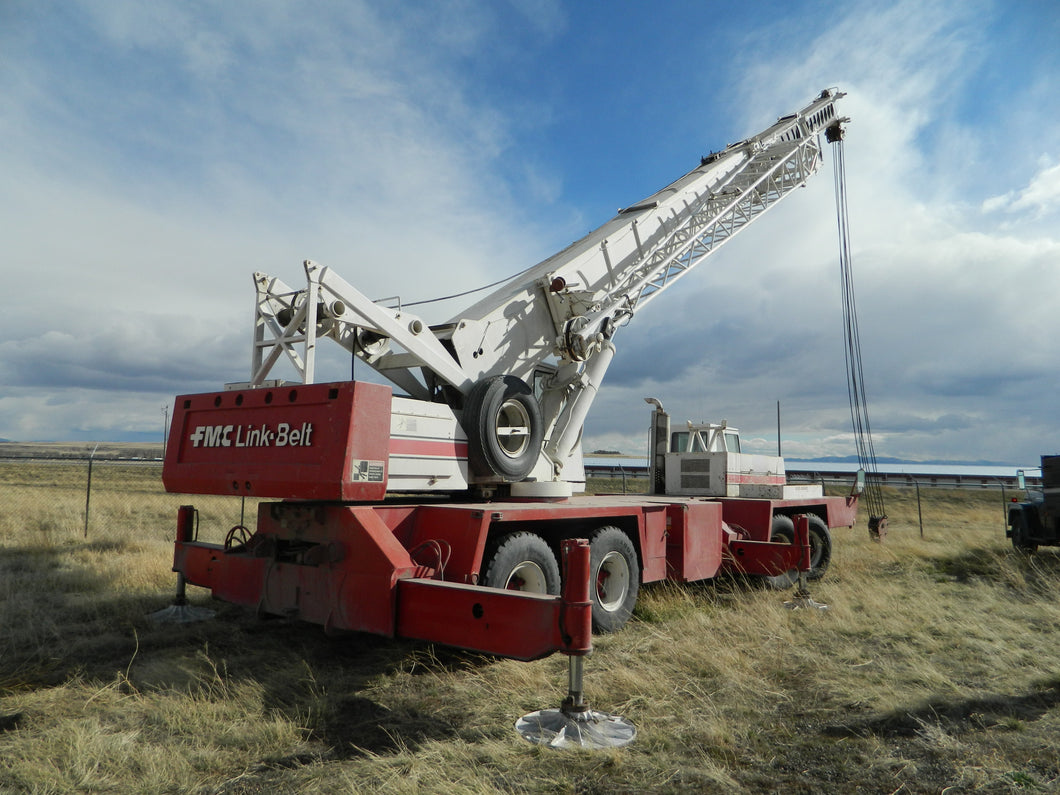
853	459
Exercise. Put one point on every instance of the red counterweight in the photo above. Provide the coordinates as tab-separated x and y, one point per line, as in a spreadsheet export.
306	441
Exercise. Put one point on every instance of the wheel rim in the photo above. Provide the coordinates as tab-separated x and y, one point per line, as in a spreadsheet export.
612	581
527	576
513	428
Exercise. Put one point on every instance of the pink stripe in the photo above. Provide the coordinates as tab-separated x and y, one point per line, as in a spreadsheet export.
444	449
771	480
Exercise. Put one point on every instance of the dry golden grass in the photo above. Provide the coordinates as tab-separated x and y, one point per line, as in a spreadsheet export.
936	669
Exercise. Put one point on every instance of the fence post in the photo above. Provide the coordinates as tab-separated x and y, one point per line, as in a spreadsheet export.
919	510
88	487
1004	509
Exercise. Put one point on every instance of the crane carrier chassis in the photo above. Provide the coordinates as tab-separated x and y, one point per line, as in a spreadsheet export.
480	575
444	512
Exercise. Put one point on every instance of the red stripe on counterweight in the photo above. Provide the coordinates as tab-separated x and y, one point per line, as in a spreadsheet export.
444	449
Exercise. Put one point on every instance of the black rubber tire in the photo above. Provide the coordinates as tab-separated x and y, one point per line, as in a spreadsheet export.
782	531
614	579
523	562
820	547
502	420
1020	540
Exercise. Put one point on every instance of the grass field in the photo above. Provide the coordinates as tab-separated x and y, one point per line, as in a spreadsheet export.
936	670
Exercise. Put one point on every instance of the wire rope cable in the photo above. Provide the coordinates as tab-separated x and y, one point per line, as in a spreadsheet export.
859	407
461	295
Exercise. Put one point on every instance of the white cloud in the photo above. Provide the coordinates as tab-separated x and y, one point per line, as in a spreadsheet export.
81	415
1041	195
155	156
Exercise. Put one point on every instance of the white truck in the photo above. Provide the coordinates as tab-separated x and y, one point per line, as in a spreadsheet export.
707	460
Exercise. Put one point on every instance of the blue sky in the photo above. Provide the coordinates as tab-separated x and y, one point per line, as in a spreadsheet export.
156	155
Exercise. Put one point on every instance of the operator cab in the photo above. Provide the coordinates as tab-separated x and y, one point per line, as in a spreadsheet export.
706	438
706	459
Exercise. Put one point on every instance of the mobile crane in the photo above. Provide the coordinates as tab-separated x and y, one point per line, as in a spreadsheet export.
438	513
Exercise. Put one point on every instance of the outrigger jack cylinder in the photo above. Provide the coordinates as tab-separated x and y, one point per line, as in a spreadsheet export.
574	724
802	599
180	612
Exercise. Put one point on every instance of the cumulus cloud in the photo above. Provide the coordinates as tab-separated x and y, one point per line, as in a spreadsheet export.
1039	197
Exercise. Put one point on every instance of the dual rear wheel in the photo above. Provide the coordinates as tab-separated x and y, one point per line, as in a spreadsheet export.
783	531
524	561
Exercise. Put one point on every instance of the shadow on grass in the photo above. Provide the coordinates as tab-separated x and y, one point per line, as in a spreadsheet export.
58	614
958	715
358	694
66	620
999	565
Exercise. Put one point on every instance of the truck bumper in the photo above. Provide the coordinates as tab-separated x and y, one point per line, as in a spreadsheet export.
387	600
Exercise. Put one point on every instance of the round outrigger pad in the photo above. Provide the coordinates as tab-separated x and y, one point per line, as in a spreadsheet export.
574	724
180	612
561	728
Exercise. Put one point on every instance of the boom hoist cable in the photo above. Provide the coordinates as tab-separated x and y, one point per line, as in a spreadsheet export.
859	408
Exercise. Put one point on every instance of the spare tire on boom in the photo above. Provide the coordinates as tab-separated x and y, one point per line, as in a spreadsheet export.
502	420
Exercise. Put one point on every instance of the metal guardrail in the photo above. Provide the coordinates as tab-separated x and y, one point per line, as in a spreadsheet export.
832	477
634	471
898	479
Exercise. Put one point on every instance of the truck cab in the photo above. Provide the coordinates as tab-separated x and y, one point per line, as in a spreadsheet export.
1035	521
706	460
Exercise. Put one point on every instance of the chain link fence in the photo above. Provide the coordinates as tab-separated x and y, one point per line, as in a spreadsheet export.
106	497
100	498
